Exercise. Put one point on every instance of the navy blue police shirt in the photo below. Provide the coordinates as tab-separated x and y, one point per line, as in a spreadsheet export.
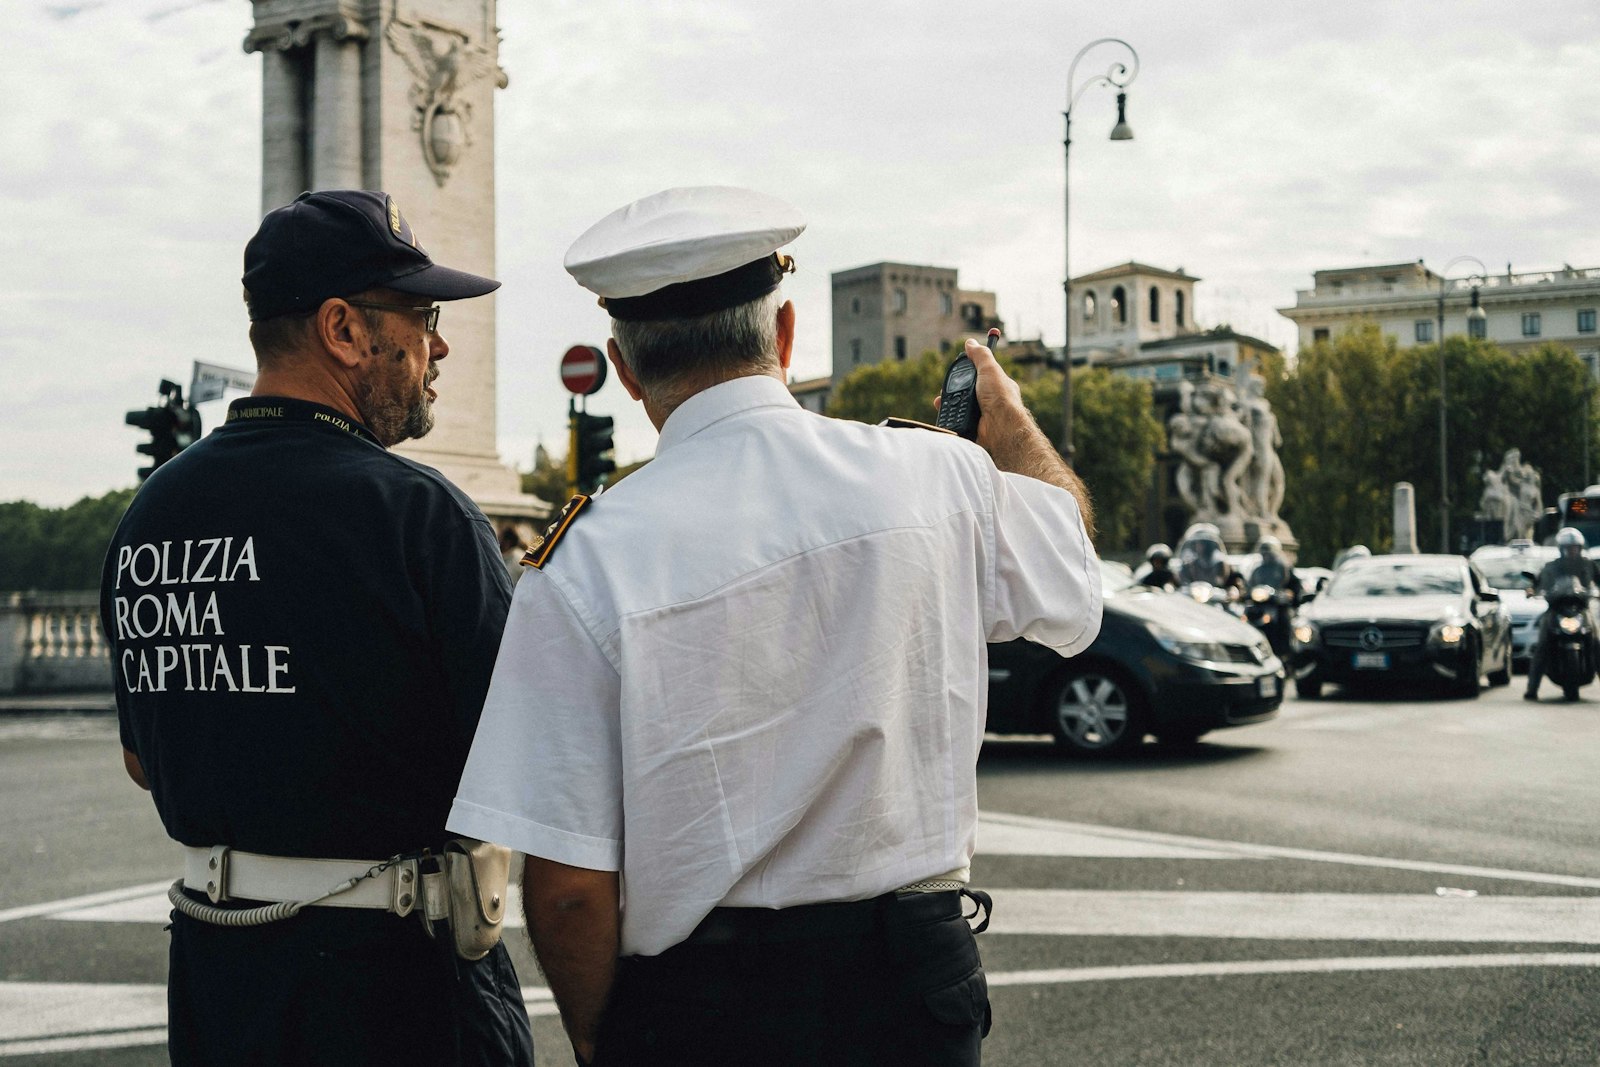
303	626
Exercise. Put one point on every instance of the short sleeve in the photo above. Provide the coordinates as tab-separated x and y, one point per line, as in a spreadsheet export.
1046	584
545	773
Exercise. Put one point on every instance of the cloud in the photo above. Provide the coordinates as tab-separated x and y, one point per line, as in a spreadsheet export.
1271	140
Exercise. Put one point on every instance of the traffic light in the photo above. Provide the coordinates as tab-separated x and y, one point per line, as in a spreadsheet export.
591	441
172	424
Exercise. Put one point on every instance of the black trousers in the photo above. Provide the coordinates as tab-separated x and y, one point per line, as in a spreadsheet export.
339	986
876	983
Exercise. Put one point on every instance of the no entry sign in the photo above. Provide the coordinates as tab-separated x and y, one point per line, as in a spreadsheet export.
583	369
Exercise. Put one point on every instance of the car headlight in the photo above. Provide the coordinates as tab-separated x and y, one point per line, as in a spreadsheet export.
1570	624
1305	633
1449	633
1198	651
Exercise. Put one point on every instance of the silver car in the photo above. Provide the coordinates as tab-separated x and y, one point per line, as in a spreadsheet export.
1505	567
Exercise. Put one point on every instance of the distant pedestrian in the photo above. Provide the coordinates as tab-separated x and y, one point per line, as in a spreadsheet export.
747	685
511	551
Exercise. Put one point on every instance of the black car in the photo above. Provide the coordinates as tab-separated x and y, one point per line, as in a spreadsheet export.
1162	665
1413	618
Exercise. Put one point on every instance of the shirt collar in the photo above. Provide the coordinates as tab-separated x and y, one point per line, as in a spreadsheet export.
722	401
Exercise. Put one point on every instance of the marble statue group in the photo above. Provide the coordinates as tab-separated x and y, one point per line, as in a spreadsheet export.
1513	494
1226	439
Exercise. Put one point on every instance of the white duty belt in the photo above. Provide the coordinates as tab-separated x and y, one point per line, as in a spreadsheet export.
224	874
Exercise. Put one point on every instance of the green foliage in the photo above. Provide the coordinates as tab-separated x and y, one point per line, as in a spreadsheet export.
1114	430
548	479
906	389
54	549
1360	413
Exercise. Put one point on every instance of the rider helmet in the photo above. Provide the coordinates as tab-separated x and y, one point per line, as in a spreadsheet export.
1158	551
1269	544
1570	543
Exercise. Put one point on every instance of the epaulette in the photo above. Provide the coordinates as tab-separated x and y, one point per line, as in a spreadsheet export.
912	424
543	546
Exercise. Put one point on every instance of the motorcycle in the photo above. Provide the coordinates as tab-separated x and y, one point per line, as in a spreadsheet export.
1569	659
1268	611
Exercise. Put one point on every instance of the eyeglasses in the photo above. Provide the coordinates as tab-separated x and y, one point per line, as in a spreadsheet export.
431	323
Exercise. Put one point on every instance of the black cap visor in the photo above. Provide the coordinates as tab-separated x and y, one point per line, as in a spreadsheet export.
441	283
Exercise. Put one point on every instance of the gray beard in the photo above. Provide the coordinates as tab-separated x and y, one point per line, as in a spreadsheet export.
392	420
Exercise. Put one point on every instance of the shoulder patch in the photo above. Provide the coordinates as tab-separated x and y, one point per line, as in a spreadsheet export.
543	546
912	424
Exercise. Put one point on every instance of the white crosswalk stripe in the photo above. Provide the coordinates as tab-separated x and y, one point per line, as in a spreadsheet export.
45	1017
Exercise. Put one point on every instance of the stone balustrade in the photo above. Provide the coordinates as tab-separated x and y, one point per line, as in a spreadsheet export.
52	643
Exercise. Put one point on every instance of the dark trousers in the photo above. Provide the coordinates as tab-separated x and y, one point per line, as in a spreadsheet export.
339	986
876	983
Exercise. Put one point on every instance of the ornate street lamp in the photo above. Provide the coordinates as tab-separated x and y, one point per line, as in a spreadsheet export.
1474	314
1118	76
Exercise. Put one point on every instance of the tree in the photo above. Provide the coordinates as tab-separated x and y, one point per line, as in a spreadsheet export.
58	549
1115	431
1360	413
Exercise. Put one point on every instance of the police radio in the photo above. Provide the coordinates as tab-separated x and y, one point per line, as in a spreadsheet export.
958	401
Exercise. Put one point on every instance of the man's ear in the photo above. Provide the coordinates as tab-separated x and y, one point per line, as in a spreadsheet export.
624	375
785	333
342	332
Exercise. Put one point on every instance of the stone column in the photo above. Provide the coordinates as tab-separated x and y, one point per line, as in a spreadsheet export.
336	113
1405	517
283	127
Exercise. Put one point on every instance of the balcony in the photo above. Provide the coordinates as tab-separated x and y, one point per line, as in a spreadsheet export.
52	643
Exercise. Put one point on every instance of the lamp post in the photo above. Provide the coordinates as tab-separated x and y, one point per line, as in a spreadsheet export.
1119	75
1474	314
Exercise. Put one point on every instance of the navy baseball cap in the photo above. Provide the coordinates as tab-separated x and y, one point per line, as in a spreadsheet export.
342	241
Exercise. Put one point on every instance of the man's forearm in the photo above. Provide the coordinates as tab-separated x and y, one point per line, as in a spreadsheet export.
1018	445
575	933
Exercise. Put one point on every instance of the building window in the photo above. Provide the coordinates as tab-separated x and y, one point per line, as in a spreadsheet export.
1089	308
899	348
1586	321
947	304
1477	329
1423	331
1155	304
855	305
855	350
1177	308
899	301
1119	306
944	346
1319	335
1530	324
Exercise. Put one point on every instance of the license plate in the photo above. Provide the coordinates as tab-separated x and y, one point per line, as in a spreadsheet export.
1372	661
1268	685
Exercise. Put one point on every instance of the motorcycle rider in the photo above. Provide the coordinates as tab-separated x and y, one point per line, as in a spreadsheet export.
1569	564
1160	576
1201	560
1274	570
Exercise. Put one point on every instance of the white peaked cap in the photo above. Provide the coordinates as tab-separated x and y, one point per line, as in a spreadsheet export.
680	235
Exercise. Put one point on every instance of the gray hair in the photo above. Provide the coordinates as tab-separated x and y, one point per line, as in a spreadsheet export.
673	357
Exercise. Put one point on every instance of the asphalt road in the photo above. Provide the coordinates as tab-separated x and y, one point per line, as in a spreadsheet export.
1404	880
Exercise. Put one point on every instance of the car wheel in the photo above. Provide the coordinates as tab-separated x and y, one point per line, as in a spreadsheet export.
1308	688
1095	711
1503	675
1468	685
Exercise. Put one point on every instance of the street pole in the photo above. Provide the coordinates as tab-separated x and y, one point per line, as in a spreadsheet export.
1118	76
1444	453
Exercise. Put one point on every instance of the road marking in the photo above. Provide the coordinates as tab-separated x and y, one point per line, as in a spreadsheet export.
1233	968
1000	834
1297	916
1244	849
67	1002
110	896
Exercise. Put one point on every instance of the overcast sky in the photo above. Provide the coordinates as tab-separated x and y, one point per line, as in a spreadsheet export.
1272	139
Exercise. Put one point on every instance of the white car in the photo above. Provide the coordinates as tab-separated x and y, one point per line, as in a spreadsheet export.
1504	566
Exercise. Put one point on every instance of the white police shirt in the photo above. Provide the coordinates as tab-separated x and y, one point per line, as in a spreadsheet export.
754	674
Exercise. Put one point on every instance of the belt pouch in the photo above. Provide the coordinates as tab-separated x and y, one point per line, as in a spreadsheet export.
476	875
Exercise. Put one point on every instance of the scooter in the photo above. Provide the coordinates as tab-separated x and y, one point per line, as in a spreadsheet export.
1569	659
1268	611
